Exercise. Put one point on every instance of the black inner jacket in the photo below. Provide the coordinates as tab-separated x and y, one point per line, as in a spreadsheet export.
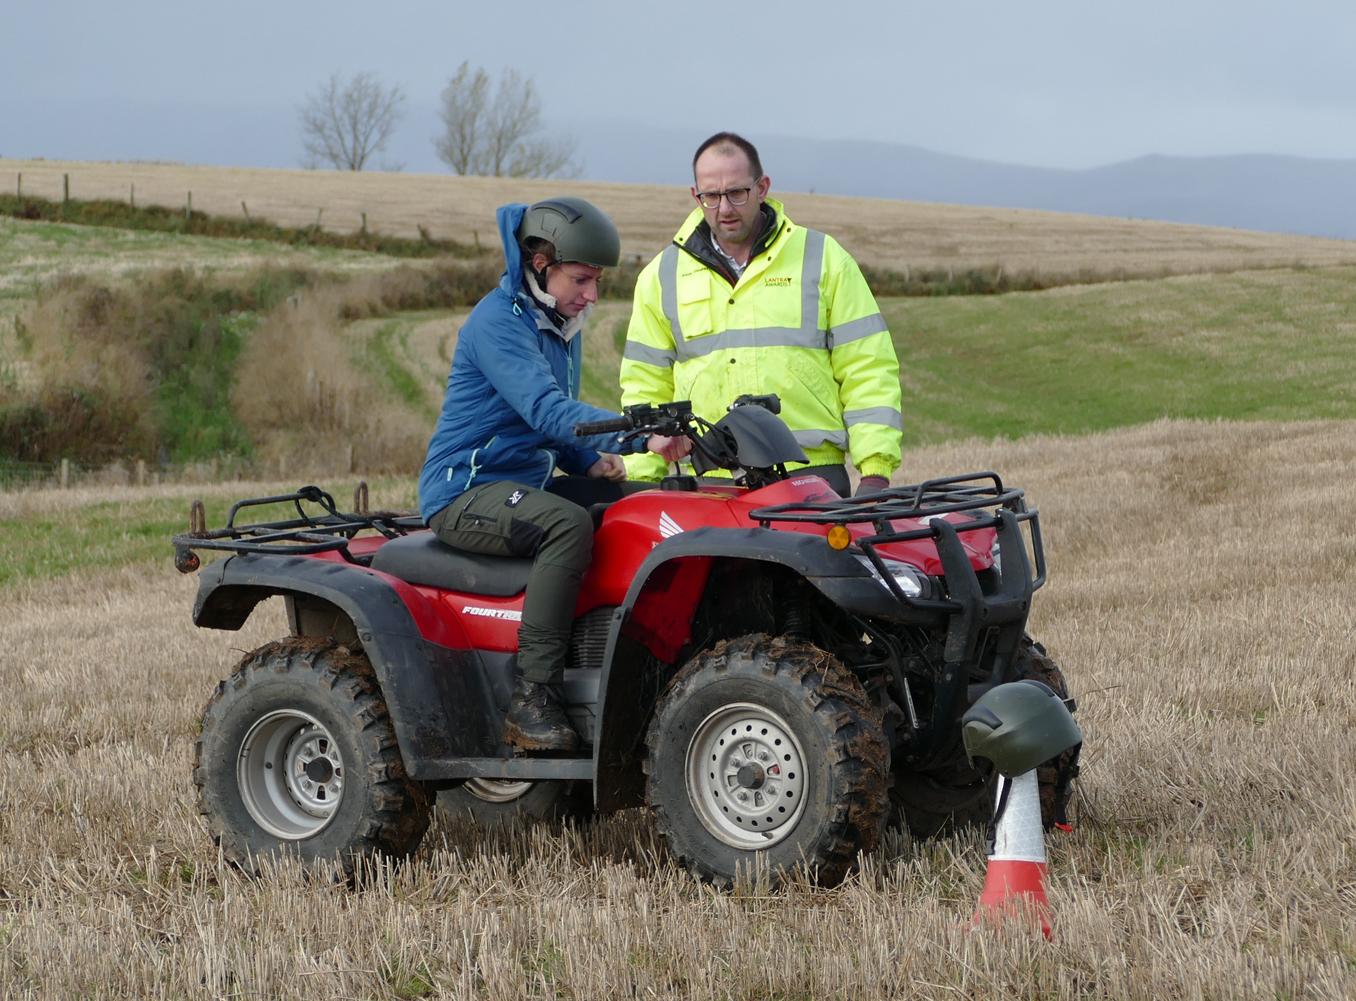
700	244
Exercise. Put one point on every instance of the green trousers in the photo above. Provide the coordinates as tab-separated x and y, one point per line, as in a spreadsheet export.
508	519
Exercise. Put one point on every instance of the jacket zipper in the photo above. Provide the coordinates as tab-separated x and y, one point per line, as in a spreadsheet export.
475	468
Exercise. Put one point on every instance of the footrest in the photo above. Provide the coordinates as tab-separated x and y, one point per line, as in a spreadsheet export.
521	767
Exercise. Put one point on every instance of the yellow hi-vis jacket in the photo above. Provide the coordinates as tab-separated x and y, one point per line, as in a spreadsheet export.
799	322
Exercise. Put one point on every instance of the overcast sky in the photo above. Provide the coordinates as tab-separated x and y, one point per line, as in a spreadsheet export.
1047	82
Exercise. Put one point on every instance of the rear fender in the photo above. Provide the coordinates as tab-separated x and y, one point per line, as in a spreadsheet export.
442	699
653	625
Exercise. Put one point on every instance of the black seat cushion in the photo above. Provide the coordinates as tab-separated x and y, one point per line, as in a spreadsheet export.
422	558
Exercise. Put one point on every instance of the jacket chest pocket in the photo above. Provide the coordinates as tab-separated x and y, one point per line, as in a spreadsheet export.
694	310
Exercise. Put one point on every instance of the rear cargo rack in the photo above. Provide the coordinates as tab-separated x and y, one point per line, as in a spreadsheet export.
309	532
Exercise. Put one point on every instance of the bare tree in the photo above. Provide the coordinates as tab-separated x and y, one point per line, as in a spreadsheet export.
464	103
494	128
345	122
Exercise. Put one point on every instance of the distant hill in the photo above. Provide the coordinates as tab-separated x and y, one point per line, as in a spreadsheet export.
1279	194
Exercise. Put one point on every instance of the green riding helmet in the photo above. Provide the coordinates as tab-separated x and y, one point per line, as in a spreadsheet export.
581	232
1019	726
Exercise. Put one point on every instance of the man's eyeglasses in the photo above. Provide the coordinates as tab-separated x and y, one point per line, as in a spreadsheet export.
735	196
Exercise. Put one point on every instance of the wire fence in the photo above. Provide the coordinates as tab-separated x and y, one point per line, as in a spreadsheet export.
66	474
28	475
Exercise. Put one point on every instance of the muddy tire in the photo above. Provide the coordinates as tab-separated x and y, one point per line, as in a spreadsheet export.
947	799
954	795
487	802
766	750
1034	662
298	758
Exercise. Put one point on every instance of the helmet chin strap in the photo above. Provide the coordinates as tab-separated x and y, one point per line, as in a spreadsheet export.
536	284
540	278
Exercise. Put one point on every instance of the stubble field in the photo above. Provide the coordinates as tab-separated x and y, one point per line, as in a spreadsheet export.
1199	601
887	234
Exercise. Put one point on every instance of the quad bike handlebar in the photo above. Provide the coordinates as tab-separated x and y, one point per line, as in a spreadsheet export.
602	427
737	441
668	419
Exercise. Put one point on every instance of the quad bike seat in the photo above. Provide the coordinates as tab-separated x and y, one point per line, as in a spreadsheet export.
422	558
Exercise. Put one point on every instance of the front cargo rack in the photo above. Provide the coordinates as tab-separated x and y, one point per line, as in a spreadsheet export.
309	532
980	495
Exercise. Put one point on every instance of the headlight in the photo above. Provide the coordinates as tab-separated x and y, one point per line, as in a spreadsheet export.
910	579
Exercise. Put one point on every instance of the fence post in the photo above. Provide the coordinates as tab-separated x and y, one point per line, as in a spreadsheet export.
65	188
246	209
132	196
364	224
141	472
349	452
65	473
19	187
188	209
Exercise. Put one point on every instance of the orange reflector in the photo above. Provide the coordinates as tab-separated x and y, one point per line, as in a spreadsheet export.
839	537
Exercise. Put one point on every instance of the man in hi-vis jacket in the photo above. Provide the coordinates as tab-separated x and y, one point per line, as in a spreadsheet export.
746	301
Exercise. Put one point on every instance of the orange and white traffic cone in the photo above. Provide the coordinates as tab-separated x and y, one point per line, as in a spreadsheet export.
1015	881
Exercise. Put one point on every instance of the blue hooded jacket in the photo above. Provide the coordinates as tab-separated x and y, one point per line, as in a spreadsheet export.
512	396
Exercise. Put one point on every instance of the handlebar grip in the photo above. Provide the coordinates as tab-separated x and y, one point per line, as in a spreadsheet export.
602	427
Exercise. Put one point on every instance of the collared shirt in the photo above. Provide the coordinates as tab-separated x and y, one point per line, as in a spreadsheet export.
735	266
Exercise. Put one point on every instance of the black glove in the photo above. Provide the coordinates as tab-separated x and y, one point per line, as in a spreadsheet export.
871	485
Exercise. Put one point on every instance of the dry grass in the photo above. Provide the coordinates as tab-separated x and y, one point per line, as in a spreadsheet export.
1199	599
890	234
303	397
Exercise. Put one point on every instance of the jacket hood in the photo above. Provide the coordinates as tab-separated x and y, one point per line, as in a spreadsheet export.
514	284
510	217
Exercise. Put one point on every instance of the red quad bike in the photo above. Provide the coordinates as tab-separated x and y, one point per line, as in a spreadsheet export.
775	671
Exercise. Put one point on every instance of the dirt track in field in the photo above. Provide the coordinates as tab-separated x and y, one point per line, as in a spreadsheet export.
1199	601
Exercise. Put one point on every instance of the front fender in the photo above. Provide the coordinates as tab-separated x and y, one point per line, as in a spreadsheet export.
659	623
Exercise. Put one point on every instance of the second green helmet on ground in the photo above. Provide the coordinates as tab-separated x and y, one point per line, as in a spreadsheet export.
580	231
1019	726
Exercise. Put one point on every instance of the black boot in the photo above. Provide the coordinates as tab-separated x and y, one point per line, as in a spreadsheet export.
536	721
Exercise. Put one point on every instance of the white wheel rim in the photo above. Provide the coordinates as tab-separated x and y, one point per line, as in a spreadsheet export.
497	790
290	774
746	776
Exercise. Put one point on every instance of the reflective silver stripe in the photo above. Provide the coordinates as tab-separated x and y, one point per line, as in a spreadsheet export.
650	356
809	283
888	416
816	437
756	337
807	335
668	290
855	329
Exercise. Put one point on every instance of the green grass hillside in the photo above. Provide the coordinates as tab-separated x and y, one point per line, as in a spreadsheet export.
1273	345
344	365
1268	345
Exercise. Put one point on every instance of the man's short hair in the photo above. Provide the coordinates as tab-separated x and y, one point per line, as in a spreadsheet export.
728	142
